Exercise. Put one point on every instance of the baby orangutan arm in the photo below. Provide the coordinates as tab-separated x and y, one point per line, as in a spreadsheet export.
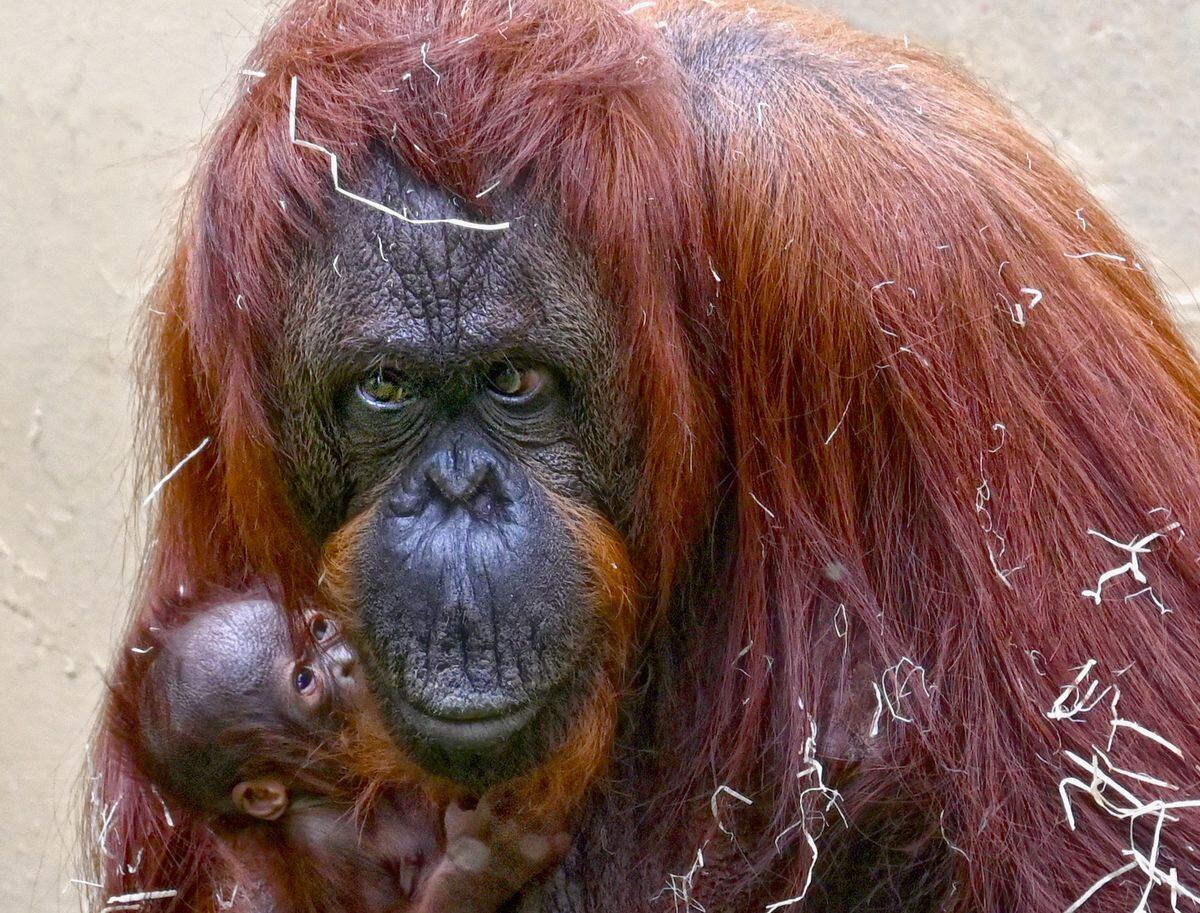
488	859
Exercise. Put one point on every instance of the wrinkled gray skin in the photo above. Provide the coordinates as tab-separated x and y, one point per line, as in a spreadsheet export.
470	592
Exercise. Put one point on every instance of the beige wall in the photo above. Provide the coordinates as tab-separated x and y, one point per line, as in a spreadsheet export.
100	107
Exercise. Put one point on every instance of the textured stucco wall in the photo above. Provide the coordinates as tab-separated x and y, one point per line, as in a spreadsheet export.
100	108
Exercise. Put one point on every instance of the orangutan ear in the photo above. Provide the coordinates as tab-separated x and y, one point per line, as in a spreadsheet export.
263	799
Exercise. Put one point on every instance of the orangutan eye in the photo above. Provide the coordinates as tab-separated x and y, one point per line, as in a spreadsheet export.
514	382
321	627
384	389
306	680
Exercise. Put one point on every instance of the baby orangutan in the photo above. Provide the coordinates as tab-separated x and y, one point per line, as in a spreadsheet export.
235	725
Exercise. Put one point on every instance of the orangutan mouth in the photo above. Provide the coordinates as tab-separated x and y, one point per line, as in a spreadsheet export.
471	730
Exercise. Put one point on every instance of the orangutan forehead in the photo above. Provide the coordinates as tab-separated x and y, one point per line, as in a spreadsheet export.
449	293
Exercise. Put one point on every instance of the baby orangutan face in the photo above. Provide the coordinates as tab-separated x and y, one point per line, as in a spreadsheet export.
308	692
229	693
305	691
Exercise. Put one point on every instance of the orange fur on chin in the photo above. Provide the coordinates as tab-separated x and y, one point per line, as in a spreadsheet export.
554	789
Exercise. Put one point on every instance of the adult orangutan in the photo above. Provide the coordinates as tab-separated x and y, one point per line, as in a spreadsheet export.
713	425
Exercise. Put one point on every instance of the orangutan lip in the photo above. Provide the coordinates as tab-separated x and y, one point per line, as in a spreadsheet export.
467	730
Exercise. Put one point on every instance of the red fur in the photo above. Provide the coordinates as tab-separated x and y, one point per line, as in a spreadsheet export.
871	227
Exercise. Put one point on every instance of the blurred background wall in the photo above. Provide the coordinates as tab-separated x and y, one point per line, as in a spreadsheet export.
101	105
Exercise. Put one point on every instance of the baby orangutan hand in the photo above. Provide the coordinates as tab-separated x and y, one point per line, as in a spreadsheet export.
489	857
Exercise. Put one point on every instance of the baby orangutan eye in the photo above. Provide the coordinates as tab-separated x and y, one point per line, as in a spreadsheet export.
305	680
322	628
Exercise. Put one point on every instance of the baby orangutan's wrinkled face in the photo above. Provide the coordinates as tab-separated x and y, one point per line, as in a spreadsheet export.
236	660
308	691
229	682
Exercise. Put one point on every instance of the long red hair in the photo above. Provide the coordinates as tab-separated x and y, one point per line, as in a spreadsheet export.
893	365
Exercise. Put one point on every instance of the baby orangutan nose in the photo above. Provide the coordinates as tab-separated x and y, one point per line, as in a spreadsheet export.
343	667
